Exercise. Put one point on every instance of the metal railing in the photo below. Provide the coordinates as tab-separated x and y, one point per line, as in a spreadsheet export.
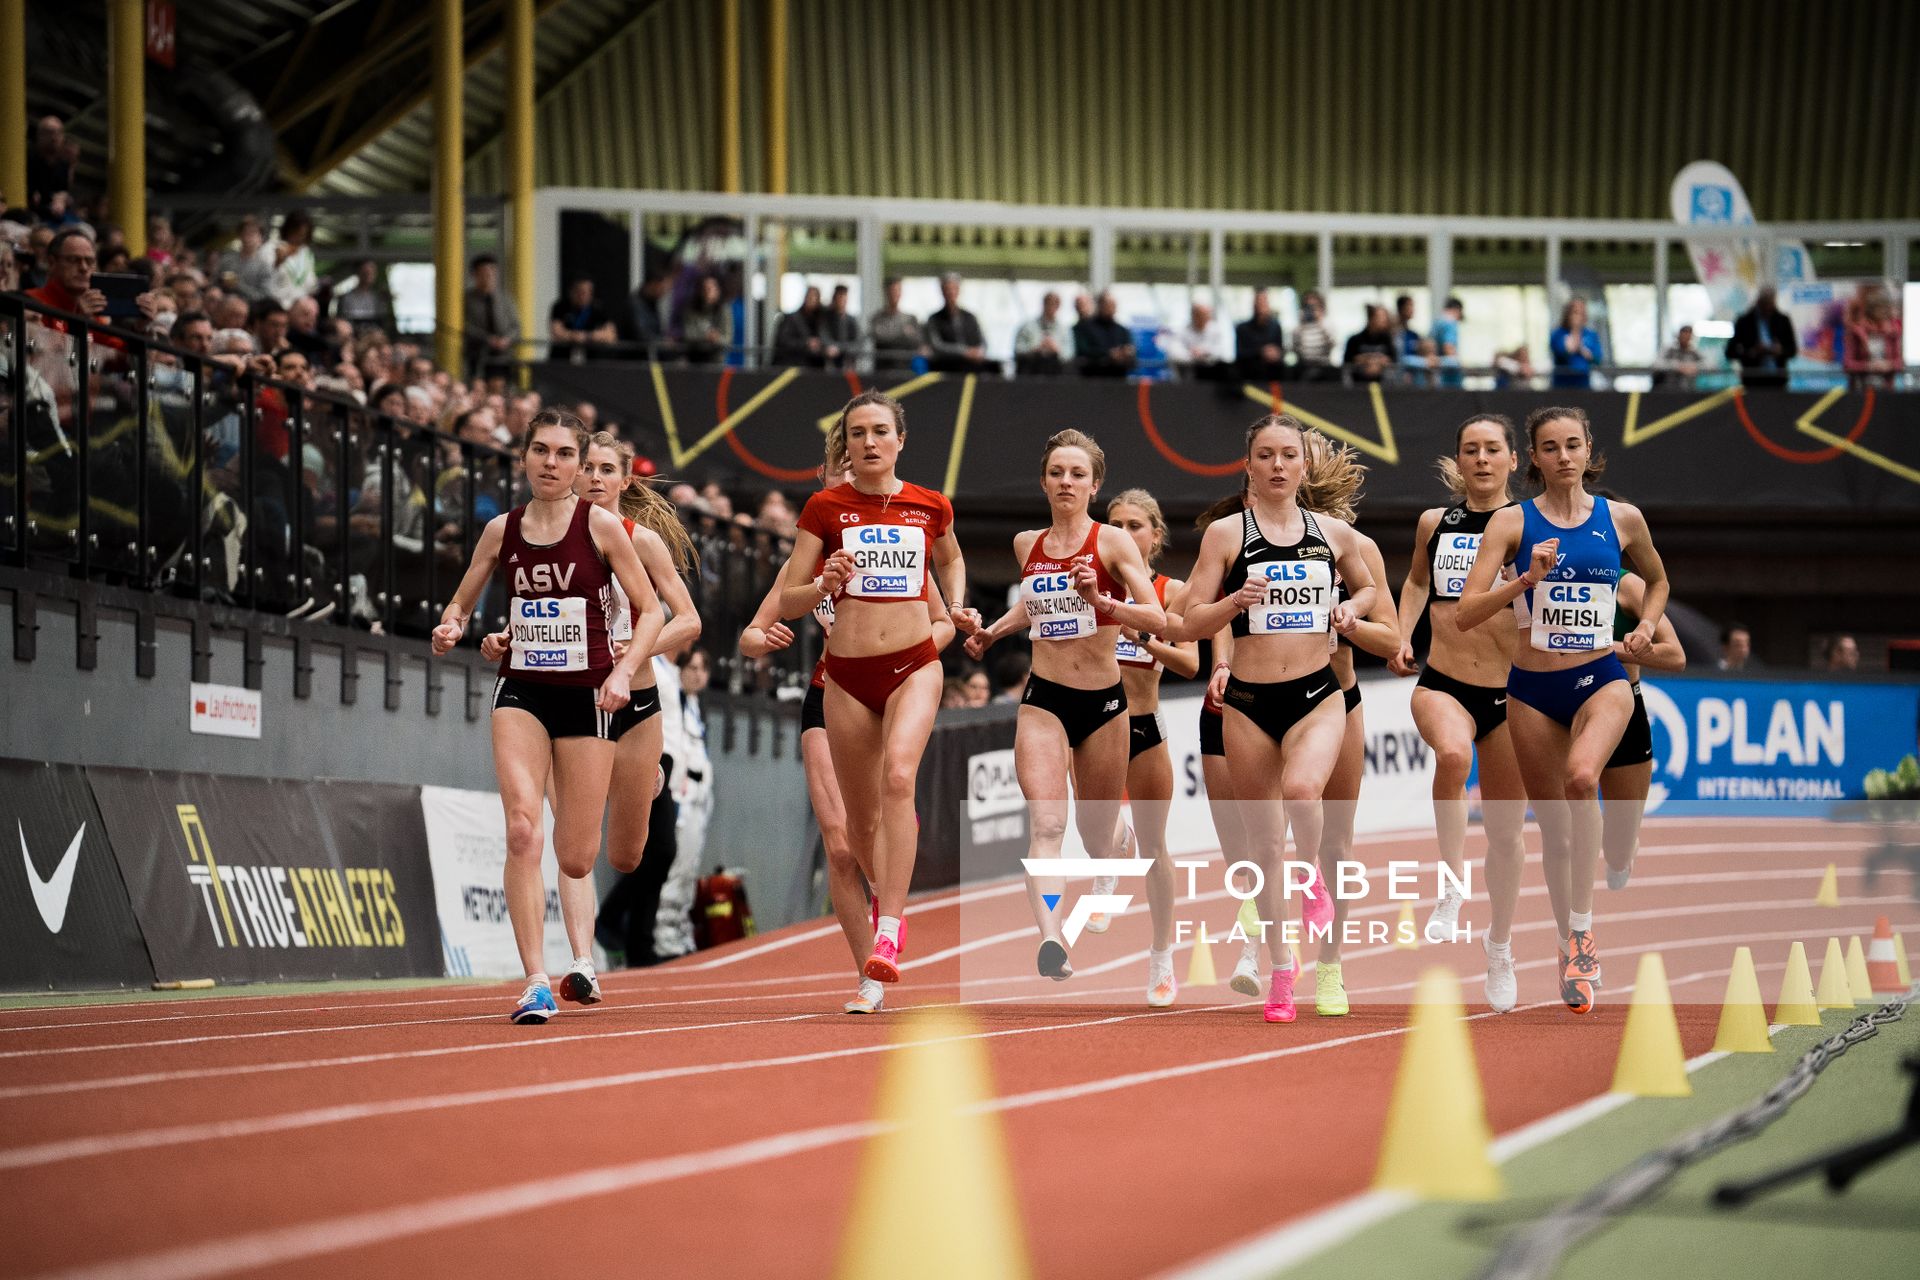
132	462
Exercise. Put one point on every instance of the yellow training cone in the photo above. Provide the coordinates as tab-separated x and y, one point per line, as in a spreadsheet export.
1743	1022
1435	1144
1651	1064
1406	934
1829	894
1200	965
1796	1006
1834	992
1857	981
1900	959
934	1186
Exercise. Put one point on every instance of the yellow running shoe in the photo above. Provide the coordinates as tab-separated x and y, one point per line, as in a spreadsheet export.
1329	992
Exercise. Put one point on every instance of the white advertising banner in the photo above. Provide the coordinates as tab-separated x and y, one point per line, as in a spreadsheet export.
223	710
467	845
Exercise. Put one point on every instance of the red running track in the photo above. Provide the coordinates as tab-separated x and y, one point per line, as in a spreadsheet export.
708	1118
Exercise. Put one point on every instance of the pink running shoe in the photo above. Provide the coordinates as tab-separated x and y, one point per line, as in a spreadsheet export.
875	917
1316	905
1279	995
884	964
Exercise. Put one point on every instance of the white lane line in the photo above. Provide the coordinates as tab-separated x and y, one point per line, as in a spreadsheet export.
245	1035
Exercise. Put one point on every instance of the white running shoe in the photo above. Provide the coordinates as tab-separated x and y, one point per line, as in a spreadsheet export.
1618	879
580	984
1100	921
1446	914
1161	988
1246	971
1503	988
871	997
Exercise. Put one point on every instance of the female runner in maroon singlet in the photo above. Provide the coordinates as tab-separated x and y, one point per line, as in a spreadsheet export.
876	541
561	692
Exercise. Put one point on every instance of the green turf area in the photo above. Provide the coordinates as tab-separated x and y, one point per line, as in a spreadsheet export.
58	999
1872	1230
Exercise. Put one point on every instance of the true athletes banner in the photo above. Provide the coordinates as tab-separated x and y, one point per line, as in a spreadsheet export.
1755	746
65	922
255	879
467	848
978	438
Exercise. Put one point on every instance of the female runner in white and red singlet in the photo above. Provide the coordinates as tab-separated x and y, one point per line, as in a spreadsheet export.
849	881
871	545
608	482
563	700
1079	581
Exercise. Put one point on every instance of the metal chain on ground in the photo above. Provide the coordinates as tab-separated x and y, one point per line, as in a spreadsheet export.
1536	1251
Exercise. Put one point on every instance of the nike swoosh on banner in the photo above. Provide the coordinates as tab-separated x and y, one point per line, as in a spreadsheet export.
50	896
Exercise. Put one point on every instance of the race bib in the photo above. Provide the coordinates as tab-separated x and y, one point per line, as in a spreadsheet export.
1055	610
1133	653
1298	600
619	615
823	614
1573	617
548	634
1453	555
890	561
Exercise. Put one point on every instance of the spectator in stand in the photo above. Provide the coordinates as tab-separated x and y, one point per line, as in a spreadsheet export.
303	333
1369	353
1041	344
365	301
1406	339
796	339
240	268
979	689
493	322
1421	366
1446	342
115	259
50	165
38	268
293	366
589	415
1736	647
186	290
897	337
1202	349
269	325
1680	363
714	496
649	325
289	259
954	333
576	322
706	323
69	286
232	312
1102	346
776	515
1843	653
1873	351
1762	343
160	246
420	406
1259	344
839	330
1010	675
1312	339
9	267
953	694
1576	349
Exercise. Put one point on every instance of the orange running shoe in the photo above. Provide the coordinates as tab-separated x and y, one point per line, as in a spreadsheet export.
1582	972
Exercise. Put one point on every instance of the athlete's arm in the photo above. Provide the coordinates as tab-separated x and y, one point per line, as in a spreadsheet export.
610	537
1143	612
459	610
1206	613
953	570
1378	631
684	626
765	632
1415	592
1481	598
1352	563
1181	658
1665	653
1222	663
941	617
1639	548
981	638
799	590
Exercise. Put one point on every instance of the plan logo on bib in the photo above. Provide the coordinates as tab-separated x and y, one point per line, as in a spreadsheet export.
1087	904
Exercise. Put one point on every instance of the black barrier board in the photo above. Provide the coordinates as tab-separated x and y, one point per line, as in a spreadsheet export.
973	819
1690	450
65	921
256	879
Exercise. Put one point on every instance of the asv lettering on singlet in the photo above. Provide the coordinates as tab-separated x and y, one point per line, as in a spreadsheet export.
548	634
1298	599
890	561
542	579
1055	611
1453	556
1572	617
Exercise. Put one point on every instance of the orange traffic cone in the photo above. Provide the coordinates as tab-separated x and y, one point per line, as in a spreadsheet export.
1883	969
